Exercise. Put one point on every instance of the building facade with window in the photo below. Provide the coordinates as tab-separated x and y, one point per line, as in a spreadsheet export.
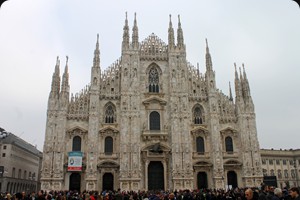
20	164
151	120
282	164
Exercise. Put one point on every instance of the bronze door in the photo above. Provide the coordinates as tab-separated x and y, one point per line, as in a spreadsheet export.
155	176
108	181
75	182
202	180
232	179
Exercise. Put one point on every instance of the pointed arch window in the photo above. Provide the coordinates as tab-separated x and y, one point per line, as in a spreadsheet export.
200	145
153	80
110	114
76	144
198	116
228	144
154	121
108	146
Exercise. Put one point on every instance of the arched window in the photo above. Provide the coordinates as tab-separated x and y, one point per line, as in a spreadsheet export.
153	80
19	173
265	172
76	143
286	173
108	146
154	121
228	144
279	173
25	175
272	172
293	175
200	145
109	114
198	118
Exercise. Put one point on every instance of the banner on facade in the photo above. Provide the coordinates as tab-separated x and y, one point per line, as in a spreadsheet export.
75	161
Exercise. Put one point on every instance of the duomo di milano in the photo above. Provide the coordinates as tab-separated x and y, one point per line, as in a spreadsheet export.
150	121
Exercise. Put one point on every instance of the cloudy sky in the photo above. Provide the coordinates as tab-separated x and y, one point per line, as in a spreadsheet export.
262	34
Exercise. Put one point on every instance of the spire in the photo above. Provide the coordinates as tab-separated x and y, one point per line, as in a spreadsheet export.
237	84
55	86
241	76
208	58
245	83
244	73
171	34
230	93
179	34
96	71
96	61
65	78
125	43
135	34
198	70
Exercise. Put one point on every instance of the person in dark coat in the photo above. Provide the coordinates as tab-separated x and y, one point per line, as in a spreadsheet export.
294	192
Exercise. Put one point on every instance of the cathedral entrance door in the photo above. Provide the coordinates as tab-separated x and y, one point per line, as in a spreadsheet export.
202	180
108	181
155	176
232	179
75	182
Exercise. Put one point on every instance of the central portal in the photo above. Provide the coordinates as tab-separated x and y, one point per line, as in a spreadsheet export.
155	176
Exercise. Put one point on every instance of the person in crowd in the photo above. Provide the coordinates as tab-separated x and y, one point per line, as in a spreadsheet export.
41	195
18	196
270	193
263	192
294	192
277	194
249	194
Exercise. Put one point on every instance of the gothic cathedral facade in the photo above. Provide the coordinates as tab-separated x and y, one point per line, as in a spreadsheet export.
150	121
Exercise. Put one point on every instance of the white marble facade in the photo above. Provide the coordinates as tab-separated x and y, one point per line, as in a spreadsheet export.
152	95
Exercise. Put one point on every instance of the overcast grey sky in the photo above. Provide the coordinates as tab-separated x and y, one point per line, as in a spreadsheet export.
262	34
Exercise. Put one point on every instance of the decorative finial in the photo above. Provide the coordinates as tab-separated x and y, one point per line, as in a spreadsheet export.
97	37
135	16
235	66
230	93
170	16
178	18
207	49
126	15
67	57
57	60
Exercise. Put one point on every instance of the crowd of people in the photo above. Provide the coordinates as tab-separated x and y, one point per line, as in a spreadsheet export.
263	193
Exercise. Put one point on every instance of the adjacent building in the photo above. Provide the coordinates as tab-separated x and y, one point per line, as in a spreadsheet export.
19	164
283	165
151	120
